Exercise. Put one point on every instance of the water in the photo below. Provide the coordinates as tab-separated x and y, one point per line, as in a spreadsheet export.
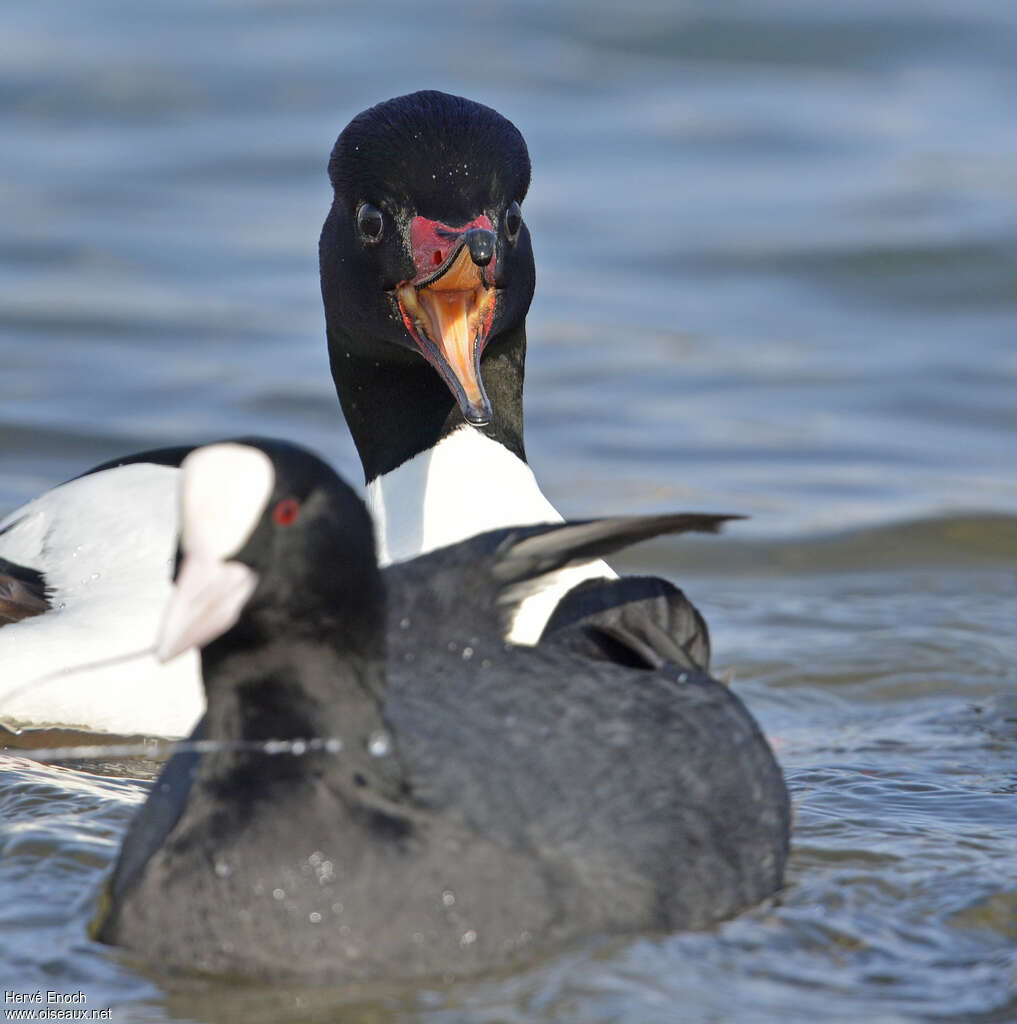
777	275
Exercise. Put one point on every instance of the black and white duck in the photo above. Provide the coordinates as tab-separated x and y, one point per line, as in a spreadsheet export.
427	275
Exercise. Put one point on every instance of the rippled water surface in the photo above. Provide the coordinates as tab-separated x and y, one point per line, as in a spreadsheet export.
777	274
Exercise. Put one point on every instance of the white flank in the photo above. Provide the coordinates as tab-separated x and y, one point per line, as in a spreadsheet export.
465	485
106	544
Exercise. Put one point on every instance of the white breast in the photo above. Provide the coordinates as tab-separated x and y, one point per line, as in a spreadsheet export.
465	485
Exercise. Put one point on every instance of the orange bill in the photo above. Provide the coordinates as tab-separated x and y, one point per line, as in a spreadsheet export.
448	307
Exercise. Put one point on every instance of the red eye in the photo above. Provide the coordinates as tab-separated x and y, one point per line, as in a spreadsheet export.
285	513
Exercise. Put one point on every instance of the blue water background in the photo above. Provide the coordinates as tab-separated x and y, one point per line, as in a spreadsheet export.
777	275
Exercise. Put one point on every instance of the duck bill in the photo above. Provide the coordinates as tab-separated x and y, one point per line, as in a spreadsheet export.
448	310
208	597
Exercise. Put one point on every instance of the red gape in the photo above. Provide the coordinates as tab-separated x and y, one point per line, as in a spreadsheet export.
431	242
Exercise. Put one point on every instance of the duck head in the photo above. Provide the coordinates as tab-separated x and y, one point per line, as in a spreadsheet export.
425	257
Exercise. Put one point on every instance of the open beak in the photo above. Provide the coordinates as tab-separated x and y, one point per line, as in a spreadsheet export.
448	307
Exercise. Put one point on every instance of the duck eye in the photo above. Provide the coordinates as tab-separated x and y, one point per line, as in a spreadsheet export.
285	512
370	223
513	221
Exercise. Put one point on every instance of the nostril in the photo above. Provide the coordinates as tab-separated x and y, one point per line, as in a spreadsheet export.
437	257
481	243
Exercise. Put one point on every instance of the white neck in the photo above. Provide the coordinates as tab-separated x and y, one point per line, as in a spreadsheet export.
467	484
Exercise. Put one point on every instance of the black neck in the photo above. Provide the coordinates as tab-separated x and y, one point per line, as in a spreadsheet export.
289	689
397	409
296	691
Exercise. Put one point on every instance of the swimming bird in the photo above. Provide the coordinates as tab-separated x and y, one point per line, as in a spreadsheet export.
427	274
446	803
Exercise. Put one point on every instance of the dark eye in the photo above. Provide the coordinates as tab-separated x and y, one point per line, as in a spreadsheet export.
370	223
285	512
513	221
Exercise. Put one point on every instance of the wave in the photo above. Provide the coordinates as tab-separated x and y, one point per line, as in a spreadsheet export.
969	541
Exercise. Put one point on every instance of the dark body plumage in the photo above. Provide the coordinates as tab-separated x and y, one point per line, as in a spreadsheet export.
489	801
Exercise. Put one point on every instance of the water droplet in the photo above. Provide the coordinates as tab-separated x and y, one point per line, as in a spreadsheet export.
337	908
683	678
323	868
486	663
314	917
404	623
278	894
468	938
96	575
333	745
222	869
379	744
467	653
298	747
448	898
452	645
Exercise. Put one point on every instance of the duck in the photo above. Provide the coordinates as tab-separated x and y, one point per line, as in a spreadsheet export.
385	789
427	273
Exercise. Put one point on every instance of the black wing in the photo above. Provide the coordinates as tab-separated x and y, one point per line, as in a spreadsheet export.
637	621
156	456
22	592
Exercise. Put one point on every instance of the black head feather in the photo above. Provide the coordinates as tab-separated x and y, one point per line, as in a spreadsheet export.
467	149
